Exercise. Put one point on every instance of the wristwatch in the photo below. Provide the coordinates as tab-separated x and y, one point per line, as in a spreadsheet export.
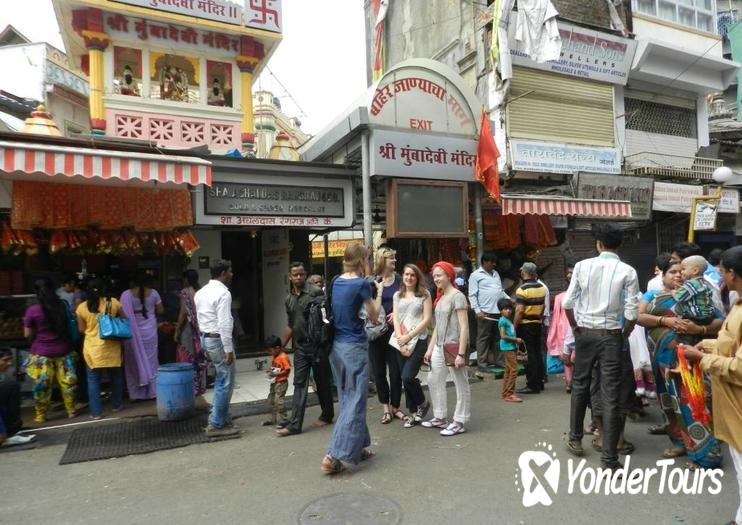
463	356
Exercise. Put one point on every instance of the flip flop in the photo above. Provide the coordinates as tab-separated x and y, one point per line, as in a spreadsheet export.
367	454
657	430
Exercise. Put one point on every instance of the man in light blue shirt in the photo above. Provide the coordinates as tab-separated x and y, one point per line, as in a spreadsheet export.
485	289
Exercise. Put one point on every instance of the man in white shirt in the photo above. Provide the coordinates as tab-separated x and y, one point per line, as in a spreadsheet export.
485	289
655	283
214	311
602	306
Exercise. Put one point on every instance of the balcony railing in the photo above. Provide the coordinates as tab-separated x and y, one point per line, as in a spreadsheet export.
726	19
664	165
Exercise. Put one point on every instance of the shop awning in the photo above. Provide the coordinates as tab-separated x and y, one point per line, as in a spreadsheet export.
52	160
529	205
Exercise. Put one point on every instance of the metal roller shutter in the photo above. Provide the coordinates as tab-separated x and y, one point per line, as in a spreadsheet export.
560	108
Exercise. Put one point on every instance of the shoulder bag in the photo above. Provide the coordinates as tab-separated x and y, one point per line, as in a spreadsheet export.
111	327
450	350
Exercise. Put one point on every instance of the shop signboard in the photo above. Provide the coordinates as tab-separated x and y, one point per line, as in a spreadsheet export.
585	53
704	217
267	201
677	198
422	155
334	248
637	190
56	74
258	14
552	157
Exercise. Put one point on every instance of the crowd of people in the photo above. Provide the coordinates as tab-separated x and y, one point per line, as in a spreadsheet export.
620	347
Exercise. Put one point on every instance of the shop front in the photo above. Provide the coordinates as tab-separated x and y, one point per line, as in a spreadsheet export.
261	215
70	207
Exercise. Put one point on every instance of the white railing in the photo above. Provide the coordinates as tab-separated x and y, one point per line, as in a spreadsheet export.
665	165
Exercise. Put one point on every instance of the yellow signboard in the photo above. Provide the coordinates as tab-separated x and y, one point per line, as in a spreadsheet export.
334	248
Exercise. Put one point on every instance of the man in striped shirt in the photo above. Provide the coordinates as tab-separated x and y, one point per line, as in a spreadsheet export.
602	306
530	302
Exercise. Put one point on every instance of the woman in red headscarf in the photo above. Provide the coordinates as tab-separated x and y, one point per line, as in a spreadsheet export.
451	335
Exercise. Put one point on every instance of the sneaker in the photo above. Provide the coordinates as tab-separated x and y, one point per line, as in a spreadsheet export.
409	422
453	429
422	411
19	439
640	392
435	423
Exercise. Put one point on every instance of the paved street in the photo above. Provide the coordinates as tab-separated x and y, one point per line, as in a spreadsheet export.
263	479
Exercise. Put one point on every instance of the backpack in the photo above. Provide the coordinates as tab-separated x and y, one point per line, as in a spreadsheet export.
320	325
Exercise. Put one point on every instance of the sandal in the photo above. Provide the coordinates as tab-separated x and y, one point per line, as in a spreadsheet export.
398	414
671	453
386	418
367	454
435	423
658	430
331	465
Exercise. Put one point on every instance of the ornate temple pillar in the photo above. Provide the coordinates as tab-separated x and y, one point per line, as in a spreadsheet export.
96	42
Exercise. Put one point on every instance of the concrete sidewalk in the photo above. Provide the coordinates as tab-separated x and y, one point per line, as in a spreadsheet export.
473	478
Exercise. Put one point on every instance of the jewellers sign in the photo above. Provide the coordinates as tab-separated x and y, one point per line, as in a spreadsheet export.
677	198
257	14
552	157
261	204
585	53
638	190
422	156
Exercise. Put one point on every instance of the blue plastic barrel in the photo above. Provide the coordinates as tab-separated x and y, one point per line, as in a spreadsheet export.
175	398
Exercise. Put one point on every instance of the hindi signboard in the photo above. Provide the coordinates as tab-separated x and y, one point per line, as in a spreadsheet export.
422	155
552	157
585	53
258	14
637	190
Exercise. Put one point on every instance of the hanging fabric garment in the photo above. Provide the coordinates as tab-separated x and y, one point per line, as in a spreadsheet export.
537	30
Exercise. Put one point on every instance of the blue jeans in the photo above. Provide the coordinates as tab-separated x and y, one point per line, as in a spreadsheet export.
350	436
224	382
117	389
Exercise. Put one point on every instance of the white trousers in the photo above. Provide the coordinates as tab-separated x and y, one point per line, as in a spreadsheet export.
437	386
737	460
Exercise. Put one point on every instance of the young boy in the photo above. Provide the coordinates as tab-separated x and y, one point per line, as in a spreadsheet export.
279	378
695	299
508	346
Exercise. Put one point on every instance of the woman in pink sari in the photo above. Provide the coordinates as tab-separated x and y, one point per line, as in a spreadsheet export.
142	305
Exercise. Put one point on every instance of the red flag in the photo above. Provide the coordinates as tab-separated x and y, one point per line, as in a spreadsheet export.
485	168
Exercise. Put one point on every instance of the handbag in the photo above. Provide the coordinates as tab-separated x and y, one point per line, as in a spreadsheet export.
72	328
113	328
450	350
375	330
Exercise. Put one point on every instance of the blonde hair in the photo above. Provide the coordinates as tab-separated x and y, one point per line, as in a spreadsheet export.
382	254
421	288
354	258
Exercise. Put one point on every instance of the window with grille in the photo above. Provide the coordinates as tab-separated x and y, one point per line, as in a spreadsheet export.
698	14
652	117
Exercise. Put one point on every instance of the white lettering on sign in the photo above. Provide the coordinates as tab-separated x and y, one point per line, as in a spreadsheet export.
258	14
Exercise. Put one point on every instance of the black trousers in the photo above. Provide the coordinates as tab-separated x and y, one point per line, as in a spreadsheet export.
10	406
535	367
316	361
607	353
384	357
410	367
488	346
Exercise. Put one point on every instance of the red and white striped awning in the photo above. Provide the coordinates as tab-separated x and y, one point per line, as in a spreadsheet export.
598	209
30	158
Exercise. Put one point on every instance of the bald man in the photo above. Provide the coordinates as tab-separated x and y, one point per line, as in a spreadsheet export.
695	298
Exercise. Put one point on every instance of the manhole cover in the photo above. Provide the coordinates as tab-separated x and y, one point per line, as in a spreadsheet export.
351	509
